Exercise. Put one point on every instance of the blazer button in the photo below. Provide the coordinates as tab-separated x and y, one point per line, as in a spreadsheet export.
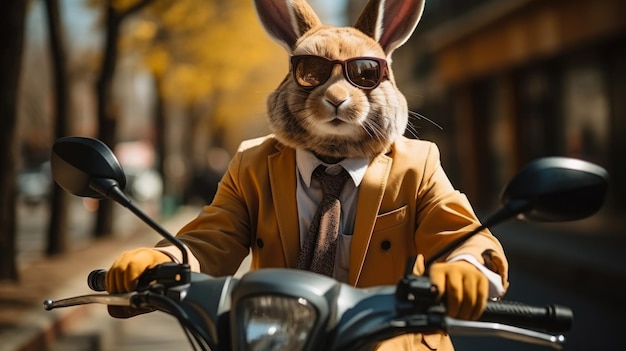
259	243
385	245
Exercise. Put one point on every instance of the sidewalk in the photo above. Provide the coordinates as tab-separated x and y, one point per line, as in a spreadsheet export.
25	325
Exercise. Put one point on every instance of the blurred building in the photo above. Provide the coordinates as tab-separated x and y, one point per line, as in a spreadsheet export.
513	80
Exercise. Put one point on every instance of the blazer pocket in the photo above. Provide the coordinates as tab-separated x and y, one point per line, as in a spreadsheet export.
391	219
388	247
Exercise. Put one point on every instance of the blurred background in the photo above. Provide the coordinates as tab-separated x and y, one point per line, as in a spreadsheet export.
174	86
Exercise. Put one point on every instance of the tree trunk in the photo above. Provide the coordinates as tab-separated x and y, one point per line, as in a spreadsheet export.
161	140
12	17
108	113
57	227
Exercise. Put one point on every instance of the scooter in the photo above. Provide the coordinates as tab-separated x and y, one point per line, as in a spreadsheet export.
287	309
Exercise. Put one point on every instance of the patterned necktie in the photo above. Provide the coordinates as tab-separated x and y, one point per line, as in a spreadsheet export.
318	249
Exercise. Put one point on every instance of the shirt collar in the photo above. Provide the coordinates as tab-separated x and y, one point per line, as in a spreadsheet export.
307	162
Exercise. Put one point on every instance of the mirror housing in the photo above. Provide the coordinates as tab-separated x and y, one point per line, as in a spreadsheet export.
557	189
77	163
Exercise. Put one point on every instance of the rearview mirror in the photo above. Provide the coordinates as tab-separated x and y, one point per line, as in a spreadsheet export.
557	189
80	165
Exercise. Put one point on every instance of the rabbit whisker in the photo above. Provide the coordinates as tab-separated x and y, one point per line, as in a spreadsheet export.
373	130
417	116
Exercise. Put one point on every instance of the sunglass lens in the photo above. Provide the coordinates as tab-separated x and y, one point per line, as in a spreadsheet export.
364	73
312	71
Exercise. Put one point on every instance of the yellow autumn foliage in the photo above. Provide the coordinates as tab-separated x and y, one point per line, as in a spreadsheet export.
210	50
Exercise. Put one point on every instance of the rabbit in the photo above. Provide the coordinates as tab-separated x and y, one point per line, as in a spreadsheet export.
340	102
337	119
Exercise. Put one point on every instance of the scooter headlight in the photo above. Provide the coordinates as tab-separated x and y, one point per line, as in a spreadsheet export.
281	310
275	323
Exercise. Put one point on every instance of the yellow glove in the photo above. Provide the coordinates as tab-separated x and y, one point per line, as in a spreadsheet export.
127	267
466	288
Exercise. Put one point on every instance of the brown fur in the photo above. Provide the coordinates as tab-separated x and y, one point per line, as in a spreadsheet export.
366	121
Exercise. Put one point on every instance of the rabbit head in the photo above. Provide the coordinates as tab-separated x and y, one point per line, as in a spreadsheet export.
340	98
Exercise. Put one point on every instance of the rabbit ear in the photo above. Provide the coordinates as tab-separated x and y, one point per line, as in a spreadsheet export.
286	20
390	22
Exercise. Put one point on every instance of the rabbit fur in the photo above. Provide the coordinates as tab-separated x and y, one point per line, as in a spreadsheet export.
337	120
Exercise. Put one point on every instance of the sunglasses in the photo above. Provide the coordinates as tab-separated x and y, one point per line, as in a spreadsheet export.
310	71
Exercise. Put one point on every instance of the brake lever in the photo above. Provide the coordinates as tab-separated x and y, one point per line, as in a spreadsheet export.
491	329
164	275
106	299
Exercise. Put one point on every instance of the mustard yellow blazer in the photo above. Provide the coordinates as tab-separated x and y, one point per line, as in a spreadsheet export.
406	206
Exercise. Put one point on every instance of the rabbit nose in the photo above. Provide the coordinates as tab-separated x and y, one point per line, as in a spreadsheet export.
336	103
336	96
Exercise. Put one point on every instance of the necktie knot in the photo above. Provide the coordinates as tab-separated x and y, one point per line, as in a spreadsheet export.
331	184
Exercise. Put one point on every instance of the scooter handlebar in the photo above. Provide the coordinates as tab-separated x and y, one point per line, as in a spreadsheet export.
552	318
96	280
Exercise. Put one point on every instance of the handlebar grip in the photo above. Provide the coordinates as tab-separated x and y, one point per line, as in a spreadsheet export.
552	318
96	281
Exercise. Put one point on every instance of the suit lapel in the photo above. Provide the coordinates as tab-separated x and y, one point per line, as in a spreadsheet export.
370	197
282	169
